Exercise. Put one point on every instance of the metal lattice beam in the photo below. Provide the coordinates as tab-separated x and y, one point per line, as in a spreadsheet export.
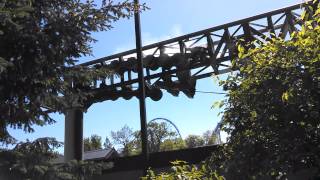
197	55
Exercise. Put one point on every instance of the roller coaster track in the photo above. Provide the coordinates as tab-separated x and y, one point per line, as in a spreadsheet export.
192	56
168	121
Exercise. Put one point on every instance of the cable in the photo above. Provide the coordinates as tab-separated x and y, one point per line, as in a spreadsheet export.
210	92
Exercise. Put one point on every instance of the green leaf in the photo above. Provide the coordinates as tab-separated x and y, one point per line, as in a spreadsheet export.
4	64
285	96
217	104
241	51
304	14
254	114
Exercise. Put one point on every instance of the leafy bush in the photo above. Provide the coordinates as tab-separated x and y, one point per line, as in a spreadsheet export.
272	111
182	171
33	160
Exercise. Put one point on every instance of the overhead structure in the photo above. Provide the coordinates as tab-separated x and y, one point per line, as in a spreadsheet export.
176	64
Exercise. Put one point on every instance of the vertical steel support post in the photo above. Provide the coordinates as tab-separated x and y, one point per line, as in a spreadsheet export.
73	138
142	95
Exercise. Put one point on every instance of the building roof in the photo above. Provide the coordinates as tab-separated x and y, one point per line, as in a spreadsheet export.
99	154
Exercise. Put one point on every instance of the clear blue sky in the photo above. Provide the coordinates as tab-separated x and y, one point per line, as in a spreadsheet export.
165	19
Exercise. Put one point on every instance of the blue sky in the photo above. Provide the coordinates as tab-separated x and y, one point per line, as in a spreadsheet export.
165	19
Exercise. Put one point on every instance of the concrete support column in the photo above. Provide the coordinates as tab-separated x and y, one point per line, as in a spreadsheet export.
73	136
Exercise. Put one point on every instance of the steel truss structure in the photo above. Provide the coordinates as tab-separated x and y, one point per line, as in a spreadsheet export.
176	64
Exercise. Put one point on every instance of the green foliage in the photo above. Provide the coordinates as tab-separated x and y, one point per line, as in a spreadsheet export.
124	137
182	171
39	42
34	160
92	143
272	111
172	144
194	141
24	155
157	134
160	138
209	137
107	143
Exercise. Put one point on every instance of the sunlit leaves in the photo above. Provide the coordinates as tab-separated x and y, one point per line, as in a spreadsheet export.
181	170
270	114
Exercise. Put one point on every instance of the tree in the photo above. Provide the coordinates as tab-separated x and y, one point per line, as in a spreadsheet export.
272	111
209	137
157	134
34	160
107	143
194	141
39	44
92	143
136	143
172	144
124	137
